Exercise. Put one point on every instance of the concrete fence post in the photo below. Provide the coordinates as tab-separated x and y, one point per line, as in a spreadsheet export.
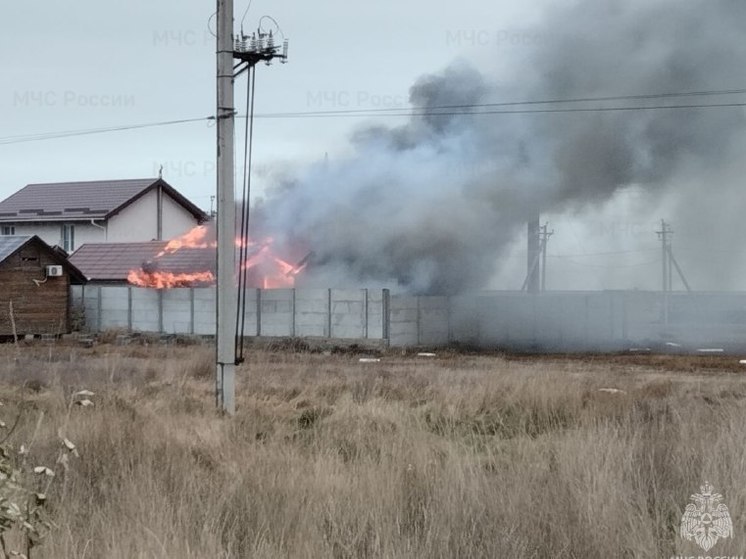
160	311
258	312
292	313
98	310
328	313
386	318
449	319
365	314
129	308
191	311
419	319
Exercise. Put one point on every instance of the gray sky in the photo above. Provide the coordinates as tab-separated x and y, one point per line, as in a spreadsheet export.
86	64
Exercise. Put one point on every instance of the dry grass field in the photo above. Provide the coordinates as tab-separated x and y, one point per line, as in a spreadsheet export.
453	456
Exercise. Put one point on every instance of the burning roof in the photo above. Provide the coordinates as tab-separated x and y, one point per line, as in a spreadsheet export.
186	261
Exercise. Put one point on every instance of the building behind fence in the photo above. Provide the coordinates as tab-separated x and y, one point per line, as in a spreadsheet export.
551	321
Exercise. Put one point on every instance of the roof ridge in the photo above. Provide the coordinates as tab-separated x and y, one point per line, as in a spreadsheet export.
98	181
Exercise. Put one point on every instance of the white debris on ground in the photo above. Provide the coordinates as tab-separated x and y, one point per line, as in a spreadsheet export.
612	390
424	354
369	360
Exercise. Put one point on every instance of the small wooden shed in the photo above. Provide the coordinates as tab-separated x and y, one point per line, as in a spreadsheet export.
34	287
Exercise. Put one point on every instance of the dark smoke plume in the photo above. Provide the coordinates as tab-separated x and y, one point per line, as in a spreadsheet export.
430	206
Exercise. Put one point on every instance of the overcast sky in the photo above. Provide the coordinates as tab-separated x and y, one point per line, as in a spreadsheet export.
86	64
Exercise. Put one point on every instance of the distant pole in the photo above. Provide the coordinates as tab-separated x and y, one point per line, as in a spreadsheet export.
533	253
545	234
226	296
665	237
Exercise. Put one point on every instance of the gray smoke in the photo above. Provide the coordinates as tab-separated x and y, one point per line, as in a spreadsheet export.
432	205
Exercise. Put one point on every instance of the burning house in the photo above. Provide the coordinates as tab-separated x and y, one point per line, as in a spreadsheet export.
185	261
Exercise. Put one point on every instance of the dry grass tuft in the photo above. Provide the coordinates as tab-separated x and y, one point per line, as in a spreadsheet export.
457	456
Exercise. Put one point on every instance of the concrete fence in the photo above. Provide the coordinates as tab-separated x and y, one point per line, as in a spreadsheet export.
327	313
557	321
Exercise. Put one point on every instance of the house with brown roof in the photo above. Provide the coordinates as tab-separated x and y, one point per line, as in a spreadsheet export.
69	214
148	263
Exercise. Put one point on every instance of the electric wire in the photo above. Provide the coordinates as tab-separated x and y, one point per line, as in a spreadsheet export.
431	112
88	131
246	11
243	246
537	102
441	110
613	266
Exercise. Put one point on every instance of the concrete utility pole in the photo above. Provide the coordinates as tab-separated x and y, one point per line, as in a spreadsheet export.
249	51
545	234
665	237
226	296
669	261
536	272
533	253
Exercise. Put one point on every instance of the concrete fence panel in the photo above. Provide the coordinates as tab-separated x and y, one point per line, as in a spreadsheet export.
277	312
145	310
312	312
347	313
203	305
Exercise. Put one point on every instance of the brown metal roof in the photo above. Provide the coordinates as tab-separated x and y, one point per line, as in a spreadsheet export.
113	261
83	201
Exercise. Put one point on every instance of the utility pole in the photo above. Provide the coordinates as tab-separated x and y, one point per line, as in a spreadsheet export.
538	235
249	51
533	254
669	261
544	235
226	297
665	237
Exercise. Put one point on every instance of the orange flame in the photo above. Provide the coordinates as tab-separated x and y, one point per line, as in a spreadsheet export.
194	238
263	268
161	280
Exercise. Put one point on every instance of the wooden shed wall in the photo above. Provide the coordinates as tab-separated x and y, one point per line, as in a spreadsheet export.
37	309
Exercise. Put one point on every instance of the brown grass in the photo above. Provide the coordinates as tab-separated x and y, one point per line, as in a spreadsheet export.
456	456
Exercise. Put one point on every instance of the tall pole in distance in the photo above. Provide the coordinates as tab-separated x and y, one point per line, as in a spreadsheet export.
533	253
664	236
545	234
226	297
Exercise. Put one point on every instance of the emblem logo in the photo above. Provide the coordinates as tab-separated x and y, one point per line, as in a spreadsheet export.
706	519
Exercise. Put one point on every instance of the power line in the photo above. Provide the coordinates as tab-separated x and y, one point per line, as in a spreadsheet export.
538	102
616	252
415	113
88	131
613	266
442	110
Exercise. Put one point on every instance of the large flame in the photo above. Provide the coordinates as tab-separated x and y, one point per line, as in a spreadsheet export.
199	237
266	270
161	280
262	268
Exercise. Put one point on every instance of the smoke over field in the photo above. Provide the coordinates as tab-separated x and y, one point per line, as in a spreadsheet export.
432	205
